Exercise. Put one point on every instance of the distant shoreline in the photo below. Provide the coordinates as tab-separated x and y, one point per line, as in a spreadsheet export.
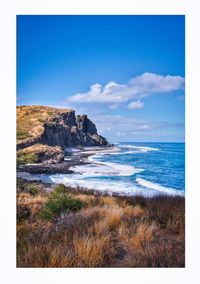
81	164
73	157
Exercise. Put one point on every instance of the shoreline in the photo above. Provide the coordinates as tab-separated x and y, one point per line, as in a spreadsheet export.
71	159
76	158
78	162
49	187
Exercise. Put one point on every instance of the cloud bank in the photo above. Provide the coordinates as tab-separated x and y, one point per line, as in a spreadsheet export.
128	128
130	94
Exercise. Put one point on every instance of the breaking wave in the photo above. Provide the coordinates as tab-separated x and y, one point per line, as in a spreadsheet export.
158	187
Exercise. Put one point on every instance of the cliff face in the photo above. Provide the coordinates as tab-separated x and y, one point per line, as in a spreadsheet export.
55	127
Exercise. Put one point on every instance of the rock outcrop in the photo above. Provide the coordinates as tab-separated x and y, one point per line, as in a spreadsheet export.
56	127
39	153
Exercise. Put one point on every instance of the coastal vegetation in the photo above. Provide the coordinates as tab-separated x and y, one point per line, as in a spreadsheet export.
26	158
58	226
59	202
39	153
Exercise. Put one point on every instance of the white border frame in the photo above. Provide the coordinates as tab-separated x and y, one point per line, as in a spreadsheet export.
9	9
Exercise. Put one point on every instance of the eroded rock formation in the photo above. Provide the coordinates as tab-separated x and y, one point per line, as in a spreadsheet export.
62	128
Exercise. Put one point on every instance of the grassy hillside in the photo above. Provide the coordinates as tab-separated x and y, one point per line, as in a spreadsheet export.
73	228
30	120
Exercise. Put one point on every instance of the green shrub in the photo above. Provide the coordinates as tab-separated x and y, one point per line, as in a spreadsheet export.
23	186
32	189
20	184
60	188
26	158
59	202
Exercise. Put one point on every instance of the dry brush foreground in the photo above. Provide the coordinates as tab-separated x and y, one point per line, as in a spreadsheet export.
75	228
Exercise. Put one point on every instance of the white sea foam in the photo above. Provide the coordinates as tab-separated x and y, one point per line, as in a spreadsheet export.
122	153
142	187
131	149
158	187
118	187
105	169
73	180
137	148
72	149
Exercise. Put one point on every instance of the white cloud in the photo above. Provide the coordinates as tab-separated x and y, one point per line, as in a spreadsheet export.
114	106
155	83
127	127
118	123
135	105
136	88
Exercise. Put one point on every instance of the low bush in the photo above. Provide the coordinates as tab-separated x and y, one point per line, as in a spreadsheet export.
60	188
23	186
59	202
26	158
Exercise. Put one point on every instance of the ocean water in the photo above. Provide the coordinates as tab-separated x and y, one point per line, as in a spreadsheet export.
136	168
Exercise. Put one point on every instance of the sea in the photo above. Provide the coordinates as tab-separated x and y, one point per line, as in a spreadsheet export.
146	169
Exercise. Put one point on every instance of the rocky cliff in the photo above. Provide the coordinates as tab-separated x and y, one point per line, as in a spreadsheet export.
55	127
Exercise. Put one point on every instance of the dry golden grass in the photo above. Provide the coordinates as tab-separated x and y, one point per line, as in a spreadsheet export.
133	211
109	219
106	200
41	148
34	203
106	232
85	198
27	199
91	251
144	234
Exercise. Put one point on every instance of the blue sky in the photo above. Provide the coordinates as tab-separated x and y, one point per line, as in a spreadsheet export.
125	72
